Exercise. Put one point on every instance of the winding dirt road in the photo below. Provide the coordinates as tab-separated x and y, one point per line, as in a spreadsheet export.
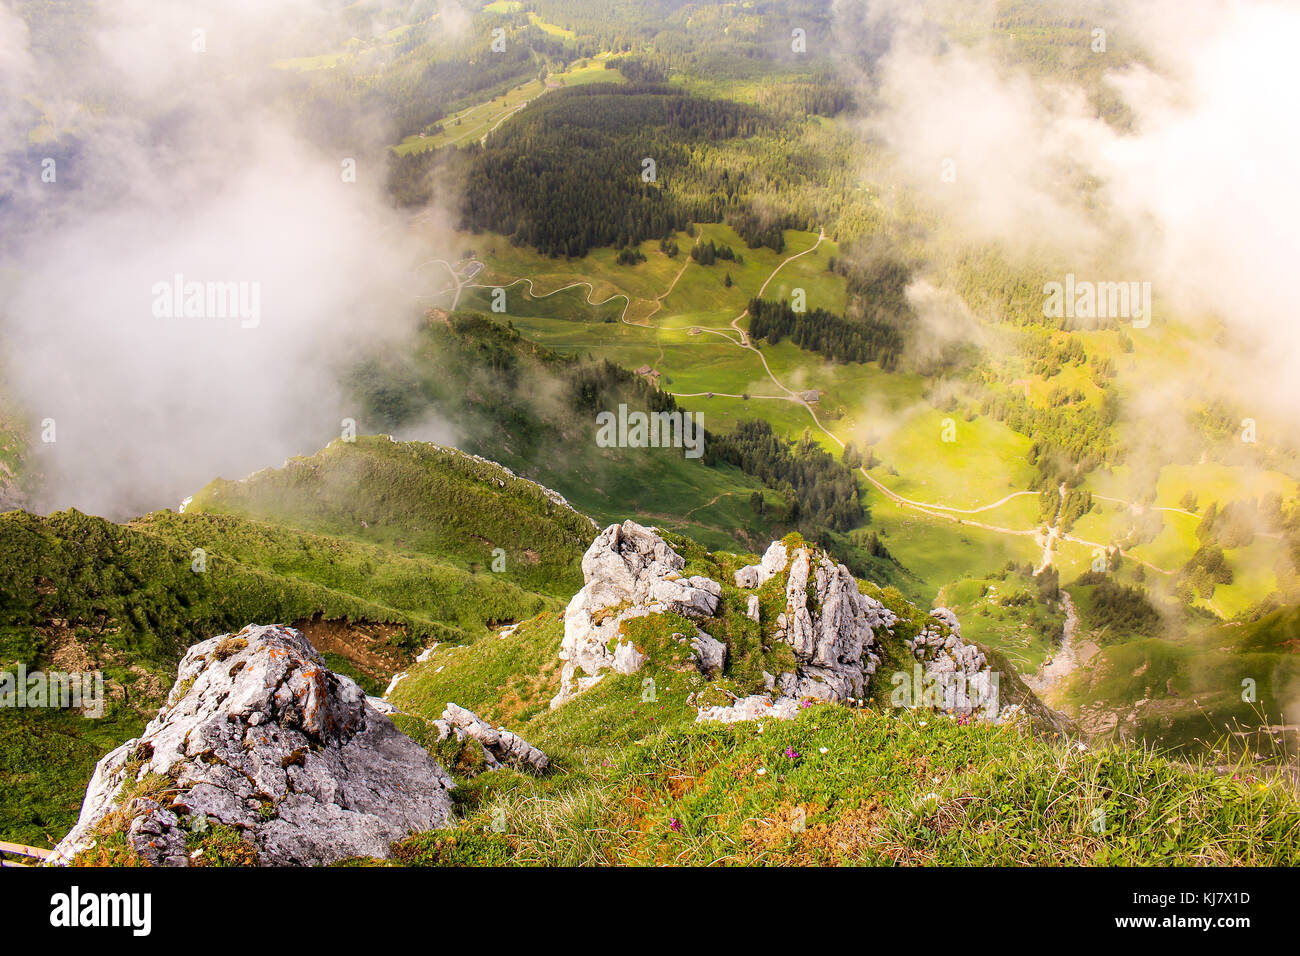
1047	538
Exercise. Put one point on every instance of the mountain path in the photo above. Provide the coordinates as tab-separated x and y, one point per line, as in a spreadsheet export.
1053	534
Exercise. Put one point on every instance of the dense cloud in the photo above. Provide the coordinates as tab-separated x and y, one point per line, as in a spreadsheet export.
1196	195
190	165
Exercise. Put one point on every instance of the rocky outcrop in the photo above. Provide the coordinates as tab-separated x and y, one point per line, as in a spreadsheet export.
629	571
258	735
710	654
833	630
500	746
828	622
957	675
756	707
773	563
154	833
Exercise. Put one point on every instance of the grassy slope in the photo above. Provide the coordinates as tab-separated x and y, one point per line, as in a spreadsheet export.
1004	611
416	498
889	413
636	781
467	126
892	411
515	402
81	593
1187	691
859	403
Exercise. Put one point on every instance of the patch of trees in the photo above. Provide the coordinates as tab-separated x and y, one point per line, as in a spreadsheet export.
876	284
617	24
758	231
485	375
1068	441
1076	504
1046	354
1047	583
594	386
1146	528
565	175
826	95
707	253
824	493
1118	609
410	177
428	76
425	93
1203	572
876	548
818	330
1233	525
703	39
638	69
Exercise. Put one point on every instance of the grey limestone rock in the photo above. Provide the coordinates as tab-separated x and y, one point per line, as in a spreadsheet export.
259	735
629	571
500	745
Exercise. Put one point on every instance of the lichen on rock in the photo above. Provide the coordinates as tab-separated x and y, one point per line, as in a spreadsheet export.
629	571
259	736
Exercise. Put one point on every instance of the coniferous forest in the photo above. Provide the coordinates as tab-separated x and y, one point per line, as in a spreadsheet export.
822	331
594	166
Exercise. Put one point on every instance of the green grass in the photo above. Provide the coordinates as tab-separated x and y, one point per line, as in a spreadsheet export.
562	305
889	414
1004	612
469	125
400	583
983	463
550	28
79	592
1190	685
418	499
638	783
46	759
939	552
526	412
635	781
